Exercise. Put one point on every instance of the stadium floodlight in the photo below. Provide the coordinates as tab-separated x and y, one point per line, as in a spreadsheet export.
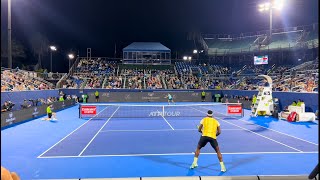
185	57
195	51
52	48
278	4
274	4
71	56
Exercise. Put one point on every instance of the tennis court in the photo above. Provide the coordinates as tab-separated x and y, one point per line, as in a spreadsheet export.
124	141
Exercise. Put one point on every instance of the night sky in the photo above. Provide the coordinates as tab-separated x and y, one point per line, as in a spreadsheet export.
100	24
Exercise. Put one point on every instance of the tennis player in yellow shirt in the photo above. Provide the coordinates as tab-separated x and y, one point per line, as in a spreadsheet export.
210	129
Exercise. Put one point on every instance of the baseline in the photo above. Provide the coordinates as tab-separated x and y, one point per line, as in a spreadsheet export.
154	130
174	154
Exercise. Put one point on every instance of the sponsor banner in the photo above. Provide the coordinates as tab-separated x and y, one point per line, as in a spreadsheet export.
234	109
92	110
12	117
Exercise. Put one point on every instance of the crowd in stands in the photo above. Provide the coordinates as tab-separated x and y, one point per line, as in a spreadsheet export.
114	82
96	66
100	73
19	80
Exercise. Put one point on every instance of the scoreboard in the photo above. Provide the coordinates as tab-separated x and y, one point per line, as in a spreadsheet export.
260	60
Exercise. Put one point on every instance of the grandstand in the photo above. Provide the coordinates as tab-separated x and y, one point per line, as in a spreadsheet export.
282	39
181	75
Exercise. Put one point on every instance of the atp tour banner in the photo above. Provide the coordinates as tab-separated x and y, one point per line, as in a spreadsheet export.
13	117
161	96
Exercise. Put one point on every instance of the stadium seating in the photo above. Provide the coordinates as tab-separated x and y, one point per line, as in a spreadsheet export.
20	80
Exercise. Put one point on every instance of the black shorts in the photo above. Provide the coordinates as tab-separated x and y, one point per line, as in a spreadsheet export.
49	115
205	139
97	97
203	97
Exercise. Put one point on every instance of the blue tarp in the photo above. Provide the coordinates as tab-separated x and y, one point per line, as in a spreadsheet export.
146	46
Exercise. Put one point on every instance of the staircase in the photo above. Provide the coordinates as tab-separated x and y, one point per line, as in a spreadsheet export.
271	69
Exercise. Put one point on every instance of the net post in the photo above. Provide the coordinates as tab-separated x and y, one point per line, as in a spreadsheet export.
79	110
242	111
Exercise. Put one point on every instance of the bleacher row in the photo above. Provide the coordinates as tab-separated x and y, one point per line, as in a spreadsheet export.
101	73
20	80
281	40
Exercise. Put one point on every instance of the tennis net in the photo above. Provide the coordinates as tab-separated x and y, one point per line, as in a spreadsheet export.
150	111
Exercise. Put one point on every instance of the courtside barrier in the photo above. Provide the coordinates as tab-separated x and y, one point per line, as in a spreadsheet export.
19	116
17	97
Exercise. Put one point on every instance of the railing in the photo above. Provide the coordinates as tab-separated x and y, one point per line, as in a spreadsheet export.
124	82
310	27
104	82
64	77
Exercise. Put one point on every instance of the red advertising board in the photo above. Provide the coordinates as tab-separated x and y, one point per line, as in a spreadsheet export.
88	110
234	109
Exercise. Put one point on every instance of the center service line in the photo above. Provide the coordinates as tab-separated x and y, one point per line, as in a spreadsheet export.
98	131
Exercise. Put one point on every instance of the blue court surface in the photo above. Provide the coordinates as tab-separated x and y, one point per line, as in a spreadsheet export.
156	147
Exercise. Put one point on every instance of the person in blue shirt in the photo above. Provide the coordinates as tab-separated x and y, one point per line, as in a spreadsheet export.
170	98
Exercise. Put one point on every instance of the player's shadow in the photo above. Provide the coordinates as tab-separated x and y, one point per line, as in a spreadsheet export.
162	159
230	165
214	167
262	121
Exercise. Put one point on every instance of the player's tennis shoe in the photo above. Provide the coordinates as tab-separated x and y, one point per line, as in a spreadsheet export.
223	169
193	166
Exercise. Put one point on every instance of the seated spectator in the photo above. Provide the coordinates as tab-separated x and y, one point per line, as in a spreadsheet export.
25	104
294	103
5	107
300	102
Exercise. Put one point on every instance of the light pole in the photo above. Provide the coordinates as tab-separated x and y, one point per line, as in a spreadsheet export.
52	48
269	6
9	36
196	52
71	56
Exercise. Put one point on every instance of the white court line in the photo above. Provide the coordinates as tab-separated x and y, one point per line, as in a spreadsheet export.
177	154
272	130
256	133
167	122
281	133
155	130
99	131
72	132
